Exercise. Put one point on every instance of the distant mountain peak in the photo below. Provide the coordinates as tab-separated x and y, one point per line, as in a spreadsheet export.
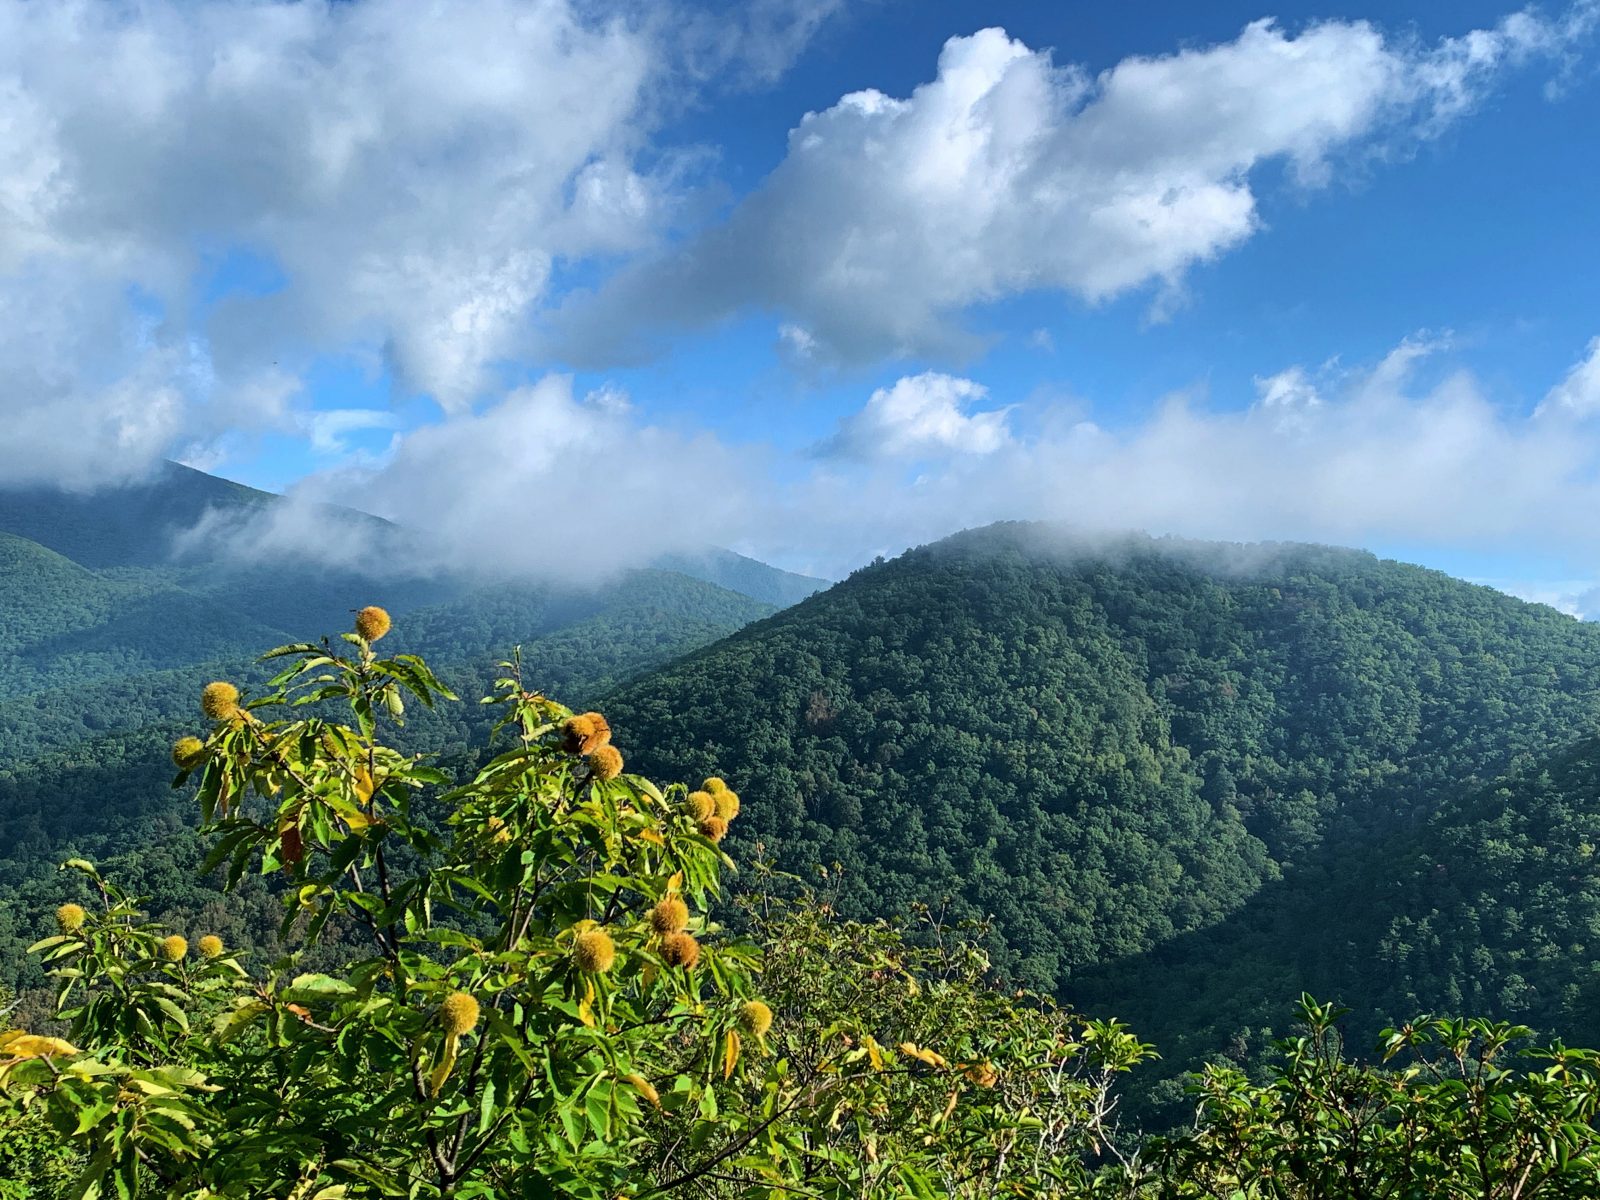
738	573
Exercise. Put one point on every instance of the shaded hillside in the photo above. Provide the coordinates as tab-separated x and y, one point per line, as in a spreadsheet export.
1109	746
1491	905
106	638
132	525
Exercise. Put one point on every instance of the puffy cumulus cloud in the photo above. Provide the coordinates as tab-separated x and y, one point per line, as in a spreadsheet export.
920	416
1008	172
413	172
543	482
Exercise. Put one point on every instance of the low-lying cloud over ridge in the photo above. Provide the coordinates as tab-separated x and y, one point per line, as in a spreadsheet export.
580	486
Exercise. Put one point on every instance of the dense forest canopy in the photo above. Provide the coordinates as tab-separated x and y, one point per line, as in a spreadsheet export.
1111	748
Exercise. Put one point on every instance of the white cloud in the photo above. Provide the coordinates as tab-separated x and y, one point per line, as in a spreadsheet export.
1374	460
796	343
1290	396
105	401
750	42
1576	597
921	416
1290	390
1008	173
548	483
556	484
329	430
1578	394
414	171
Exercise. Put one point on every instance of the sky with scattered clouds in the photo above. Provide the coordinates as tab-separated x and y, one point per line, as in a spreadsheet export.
816	280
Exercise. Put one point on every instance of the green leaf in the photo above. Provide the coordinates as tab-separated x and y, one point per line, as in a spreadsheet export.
318	987
486	1107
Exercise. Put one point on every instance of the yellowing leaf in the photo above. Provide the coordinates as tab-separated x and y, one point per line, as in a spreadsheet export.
651	836
950	1104
19	1043
922	1055
730	1052
447	1062
645	1088
874	1052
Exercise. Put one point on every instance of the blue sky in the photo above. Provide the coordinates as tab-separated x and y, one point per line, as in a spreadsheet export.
1234	271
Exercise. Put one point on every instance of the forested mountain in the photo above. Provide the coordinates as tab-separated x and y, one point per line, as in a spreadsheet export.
747	576
1491	904
1180	781
132	525
1137	754
108	630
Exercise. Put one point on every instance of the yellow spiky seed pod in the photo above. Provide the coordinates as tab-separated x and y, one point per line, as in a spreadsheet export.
755	1018
727	804
458	1014
670	916
593	951
174	947
714	827
71	917
714	784
680	950
498	832
701	805
211	946
585	733
187	752
575	731
372	622
605	763
219	700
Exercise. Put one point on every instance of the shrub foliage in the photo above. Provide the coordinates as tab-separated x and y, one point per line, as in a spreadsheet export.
545	1007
